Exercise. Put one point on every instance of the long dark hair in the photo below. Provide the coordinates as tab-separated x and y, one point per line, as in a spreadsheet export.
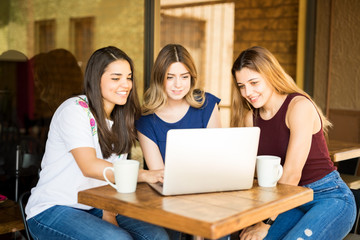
122	135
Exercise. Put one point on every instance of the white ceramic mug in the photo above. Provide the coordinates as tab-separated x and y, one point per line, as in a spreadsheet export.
126	174
268	170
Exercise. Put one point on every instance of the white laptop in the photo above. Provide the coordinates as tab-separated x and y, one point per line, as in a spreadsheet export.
209	160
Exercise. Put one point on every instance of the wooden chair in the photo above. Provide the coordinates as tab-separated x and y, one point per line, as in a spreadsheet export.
342	151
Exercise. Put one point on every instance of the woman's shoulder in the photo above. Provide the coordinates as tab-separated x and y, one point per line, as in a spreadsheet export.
299	101
146	116
211	97
145	120
73	105
208	94
71	115
76	100
301	106
148	125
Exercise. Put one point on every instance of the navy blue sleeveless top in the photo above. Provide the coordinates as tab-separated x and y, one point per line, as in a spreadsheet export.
156	129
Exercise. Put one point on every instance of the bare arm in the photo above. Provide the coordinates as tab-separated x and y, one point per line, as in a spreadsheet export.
151	152
93	167
215	120
303	121
153	160
259	230
90	165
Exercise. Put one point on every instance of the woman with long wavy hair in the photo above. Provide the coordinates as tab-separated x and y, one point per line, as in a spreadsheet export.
87	134
173	102
292	127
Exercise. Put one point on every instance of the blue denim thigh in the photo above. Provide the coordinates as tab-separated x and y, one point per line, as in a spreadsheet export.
62	222
284	223
330	215
140	230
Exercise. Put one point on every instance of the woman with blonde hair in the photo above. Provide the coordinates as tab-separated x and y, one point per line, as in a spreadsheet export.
173	102
292	127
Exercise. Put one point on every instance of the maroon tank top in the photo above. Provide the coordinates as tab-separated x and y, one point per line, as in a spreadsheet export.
274	140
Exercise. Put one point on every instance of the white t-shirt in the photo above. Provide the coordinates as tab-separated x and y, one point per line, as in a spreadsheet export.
72	126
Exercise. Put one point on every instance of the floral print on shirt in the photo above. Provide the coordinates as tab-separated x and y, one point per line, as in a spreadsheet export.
82	102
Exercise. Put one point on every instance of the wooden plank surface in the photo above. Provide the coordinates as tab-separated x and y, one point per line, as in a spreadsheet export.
10	217
340	151
210	215
352	181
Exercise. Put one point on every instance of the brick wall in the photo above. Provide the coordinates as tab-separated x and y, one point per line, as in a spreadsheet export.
269	23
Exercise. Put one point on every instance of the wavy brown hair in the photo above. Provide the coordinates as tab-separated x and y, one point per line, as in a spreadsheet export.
122	135
57	76
155	96
262	61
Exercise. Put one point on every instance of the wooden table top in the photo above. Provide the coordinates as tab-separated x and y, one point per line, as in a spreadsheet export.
10	217
340	150
210	215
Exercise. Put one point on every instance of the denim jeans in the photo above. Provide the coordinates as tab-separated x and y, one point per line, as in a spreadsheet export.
330	215
62	222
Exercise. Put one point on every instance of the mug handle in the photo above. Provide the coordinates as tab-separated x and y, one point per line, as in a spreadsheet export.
104	174
280	172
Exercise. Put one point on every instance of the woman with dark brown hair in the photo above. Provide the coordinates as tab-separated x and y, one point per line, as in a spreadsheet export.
87	134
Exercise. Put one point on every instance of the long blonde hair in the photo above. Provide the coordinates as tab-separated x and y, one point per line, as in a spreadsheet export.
261	60
155	96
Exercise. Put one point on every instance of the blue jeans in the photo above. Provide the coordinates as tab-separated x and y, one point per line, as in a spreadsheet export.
62	222
330	215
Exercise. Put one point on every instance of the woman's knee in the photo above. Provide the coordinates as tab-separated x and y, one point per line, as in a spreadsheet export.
155	233
97	229
118	234
160	234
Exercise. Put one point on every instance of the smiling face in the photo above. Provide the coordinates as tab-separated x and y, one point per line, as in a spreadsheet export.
253	87
177	81
116	84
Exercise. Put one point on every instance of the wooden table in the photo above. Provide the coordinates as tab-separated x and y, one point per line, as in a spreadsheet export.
341	151
10	217
209	215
